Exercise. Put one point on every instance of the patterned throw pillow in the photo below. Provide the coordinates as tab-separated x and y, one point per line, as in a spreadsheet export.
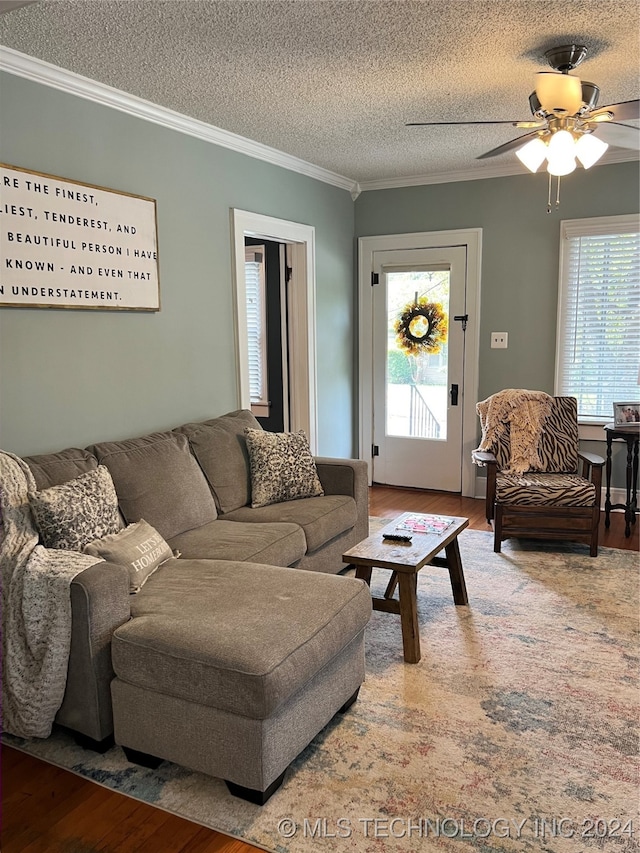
139	547
282	467
71	515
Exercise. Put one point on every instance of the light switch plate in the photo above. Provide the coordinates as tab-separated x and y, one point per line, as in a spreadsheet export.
499	340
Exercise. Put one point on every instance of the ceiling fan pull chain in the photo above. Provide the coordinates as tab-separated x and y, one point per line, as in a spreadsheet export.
557	194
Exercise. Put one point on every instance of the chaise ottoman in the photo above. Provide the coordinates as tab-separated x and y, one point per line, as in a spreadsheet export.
232	668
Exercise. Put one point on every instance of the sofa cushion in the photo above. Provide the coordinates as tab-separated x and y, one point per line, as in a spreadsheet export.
221	450
282	467
157	479
51	469
322	518
240	637
72	514
534	489
276	544
138	547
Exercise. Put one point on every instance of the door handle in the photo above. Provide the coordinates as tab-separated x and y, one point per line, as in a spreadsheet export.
453	393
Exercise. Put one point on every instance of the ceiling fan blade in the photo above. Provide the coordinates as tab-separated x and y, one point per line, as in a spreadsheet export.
452	123
508	146
625	111
621	135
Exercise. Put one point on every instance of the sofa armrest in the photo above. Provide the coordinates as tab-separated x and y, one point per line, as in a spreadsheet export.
347	477
341	476
100	603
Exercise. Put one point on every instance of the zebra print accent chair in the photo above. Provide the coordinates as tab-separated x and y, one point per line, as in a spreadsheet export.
561	500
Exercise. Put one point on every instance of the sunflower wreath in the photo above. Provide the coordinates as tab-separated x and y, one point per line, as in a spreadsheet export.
421	327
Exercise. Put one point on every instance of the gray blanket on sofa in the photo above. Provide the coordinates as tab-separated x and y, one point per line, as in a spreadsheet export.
36	609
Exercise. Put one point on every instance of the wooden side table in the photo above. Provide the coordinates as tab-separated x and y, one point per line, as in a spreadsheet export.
630	434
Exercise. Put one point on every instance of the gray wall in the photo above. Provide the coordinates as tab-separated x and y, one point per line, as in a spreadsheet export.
520	256
74	377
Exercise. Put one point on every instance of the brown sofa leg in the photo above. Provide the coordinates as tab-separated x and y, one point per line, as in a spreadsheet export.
259	798
100	746
142	758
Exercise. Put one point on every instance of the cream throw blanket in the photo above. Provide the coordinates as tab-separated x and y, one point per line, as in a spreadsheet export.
36	609
525	412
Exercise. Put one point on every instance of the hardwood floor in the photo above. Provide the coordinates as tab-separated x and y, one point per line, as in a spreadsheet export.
49	810
387	501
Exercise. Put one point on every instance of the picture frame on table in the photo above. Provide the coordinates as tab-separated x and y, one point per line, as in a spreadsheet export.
626	414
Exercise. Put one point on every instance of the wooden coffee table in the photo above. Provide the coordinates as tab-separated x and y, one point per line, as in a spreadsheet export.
405	561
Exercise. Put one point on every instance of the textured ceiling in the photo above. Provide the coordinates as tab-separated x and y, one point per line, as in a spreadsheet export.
333	83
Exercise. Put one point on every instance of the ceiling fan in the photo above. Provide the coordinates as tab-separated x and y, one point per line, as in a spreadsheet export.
567	123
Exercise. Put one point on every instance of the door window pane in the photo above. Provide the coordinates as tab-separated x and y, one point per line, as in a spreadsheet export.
417	379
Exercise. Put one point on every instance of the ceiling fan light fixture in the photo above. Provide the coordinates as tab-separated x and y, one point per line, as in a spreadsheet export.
558	93
589	149
532	154
561	153
561	144
560	166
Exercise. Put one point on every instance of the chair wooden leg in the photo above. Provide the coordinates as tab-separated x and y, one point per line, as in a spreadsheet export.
595	529
491	492
497	530
489	509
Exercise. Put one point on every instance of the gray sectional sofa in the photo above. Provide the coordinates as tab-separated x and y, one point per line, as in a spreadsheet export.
227	660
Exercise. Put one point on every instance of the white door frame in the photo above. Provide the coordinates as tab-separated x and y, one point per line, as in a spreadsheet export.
302	313
472	239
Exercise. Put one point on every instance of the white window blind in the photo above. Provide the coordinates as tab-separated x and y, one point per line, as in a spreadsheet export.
598	337
256	323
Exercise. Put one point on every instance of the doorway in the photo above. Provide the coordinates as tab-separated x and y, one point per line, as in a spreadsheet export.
418	367
300	242
421	268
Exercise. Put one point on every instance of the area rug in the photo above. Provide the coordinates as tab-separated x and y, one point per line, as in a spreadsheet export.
517	731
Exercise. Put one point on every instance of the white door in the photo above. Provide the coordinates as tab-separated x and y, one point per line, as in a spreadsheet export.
418	367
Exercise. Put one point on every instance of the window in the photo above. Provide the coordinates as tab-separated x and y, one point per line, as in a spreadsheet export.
598	338
256	326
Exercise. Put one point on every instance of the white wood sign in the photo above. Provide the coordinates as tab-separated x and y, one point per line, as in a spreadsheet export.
69	245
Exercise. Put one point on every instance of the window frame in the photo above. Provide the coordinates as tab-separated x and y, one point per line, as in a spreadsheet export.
571	228
260	406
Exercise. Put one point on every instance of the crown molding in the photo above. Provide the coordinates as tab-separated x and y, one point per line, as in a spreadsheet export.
39	71
479	173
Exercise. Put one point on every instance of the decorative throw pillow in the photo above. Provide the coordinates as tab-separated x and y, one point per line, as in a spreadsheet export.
71	515
282	467
139	547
